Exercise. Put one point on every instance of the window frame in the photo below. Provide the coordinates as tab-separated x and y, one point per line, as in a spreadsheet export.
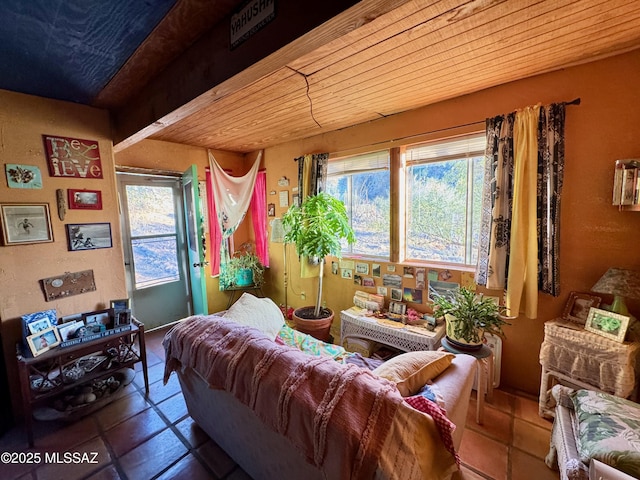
469	156
349	173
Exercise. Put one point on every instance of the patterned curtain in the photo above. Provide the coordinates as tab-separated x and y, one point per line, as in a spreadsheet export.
312	174
550	179
495	229
495	247
312	178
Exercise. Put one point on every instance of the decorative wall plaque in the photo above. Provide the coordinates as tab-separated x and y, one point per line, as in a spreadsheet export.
72	157
68	284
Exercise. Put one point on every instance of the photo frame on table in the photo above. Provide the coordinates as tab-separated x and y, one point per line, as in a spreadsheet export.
25	223
70	330
121	317
36	322
88	236
43	341
577	307
121	311
121	304
607	324
99	320
85	199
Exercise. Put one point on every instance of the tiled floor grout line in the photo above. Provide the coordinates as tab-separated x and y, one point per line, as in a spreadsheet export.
172	426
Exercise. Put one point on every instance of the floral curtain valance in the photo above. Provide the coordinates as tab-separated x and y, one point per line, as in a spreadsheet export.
519	242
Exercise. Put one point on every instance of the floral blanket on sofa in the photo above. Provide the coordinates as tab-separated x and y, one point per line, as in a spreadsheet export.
608	430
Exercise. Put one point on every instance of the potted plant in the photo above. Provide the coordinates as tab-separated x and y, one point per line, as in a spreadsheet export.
469	316
244	269
316	227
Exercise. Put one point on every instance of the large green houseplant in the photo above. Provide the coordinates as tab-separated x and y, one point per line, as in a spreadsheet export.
316	228
469	316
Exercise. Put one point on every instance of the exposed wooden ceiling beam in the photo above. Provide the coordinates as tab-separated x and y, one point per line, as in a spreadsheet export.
209	70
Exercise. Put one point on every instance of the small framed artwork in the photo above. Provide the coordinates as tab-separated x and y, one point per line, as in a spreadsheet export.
98	321
23	176
396	294
346	273
397	308
607	324
578	305
43	341
121	317
272	210
88	236
85	199
121	304
25	223
70	330
362	268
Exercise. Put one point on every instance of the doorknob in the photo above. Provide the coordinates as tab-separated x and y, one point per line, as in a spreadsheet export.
203	264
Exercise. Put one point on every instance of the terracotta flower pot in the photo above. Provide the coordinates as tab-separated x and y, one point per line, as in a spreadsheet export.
316	327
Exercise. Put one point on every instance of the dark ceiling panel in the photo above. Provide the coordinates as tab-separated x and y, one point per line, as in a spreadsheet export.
70	49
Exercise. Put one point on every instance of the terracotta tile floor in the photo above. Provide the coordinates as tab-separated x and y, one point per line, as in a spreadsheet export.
136	439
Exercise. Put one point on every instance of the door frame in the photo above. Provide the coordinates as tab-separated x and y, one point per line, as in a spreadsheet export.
152	176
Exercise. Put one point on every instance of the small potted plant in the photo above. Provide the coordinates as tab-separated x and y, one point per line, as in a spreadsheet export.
316	227
469	316
244	269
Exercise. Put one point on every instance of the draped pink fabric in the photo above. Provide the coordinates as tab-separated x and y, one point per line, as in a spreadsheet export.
214	227
259	217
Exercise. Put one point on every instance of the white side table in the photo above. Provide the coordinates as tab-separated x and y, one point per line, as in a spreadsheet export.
573	356
353	325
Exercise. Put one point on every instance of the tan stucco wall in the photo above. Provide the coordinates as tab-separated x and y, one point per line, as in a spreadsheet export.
23	121
594	235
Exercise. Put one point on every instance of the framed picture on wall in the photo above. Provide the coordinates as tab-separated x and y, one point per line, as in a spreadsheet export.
88	236
85	199
25	223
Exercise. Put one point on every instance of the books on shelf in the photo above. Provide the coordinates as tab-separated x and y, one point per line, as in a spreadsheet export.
626	182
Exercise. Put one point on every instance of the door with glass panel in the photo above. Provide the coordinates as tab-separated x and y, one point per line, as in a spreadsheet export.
154	248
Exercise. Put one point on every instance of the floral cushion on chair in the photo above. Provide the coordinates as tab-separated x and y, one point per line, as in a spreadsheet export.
609	430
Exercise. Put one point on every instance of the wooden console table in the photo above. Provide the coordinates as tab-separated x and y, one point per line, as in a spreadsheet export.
42	380
353	325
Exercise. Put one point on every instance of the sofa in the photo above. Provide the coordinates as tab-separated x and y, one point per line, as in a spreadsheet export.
594	435
285	412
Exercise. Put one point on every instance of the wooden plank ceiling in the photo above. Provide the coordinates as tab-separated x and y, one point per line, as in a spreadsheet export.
422	52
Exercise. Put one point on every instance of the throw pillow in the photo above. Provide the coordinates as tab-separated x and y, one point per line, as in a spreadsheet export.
411	371
260	313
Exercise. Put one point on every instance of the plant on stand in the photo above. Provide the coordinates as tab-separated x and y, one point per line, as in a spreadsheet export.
243	269
316	227
469	316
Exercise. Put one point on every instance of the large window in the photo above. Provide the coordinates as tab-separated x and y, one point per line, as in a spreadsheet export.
443	200
441	196
362	183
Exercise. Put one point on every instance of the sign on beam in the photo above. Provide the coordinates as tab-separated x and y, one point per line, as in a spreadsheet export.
250	18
